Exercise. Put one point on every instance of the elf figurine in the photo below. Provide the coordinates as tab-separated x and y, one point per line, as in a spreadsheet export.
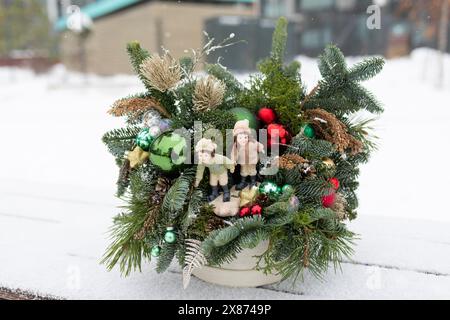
218	166
245	152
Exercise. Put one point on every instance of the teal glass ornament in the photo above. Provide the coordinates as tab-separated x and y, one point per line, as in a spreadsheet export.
308	131
156	251
270	189
144	139
170	236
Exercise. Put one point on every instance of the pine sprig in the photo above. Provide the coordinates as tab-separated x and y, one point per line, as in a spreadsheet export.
339	91
137	56
124	249
175	199
366	69
120	140
168	251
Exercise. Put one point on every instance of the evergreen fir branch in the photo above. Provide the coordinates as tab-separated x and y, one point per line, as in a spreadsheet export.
313	189
294	250
277	208
365	99
251	239
223	254
282	219
366	69
168	251
339	90
332	63
175	198
137	56
120	140
218	71
310	148
193	210
218	119
226	235
321	213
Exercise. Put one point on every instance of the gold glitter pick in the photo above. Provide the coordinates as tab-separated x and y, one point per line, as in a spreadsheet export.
248	195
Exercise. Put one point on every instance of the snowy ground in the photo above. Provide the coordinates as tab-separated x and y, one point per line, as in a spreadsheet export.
57	186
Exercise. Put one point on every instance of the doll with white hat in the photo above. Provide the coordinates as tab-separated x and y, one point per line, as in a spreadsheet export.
218	166
245	152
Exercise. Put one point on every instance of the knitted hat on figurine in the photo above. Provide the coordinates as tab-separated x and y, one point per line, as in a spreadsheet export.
205	145
242	126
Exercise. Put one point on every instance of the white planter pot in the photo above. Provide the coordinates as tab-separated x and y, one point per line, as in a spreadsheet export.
240	272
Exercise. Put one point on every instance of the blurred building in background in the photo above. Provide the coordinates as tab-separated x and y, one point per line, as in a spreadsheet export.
90	35
174	25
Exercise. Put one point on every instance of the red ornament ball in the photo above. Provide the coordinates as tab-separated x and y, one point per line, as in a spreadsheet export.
256	209
335	183
277	134
328	200
244	211
266	115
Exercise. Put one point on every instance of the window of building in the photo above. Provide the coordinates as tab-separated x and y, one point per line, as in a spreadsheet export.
316	38
274	8
314	5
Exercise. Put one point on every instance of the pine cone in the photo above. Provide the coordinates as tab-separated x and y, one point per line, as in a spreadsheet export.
162	184
161	188
263	200
149	223
124	178
214	223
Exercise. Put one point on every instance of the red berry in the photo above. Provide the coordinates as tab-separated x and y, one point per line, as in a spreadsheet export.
244	211
328	201
335	183
276	132
256	209
266	115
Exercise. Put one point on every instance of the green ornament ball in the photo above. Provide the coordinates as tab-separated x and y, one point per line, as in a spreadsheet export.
270	189
170	235
243	114
308	131
287	188
156	251
144	139
167	151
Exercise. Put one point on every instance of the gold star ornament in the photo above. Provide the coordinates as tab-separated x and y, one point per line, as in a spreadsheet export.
137	157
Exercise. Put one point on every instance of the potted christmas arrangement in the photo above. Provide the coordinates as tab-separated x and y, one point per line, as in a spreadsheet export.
243	185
